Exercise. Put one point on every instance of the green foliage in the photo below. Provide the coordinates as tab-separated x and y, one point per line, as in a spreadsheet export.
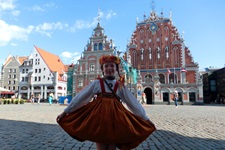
16	101
12	101
21	101
5	101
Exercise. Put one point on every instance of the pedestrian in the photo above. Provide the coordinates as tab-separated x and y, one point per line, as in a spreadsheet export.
176	99
143	98
65	101
50	98
32	99
39	98
105	120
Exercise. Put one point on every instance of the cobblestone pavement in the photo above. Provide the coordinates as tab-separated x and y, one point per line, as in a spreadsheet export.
33	126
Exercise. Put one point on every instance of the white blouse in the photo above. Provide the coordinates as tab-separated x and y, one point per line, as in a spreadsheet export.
85	96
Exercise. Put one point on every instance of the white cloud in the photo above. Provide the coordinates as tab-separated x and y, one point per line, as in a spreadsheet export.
110	15
13	44
7	5
66	54
15	13
14	32
37	8
50	5
69	57
43	28
51	26
81	24
10	32
43	8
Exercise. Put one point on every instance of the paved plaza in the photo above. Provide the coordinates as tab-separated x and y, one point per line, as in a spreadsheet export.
33	127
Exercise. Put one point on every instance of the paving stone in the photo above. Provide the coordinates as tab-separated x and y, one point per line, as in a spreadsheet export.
33	127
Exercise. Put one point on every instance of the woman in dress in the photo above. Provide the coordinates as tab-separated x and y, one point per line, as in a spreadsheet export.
176	99
105	120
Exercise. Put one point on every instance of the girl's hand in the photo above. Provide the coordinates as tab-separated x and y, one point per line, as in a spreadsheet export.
59	118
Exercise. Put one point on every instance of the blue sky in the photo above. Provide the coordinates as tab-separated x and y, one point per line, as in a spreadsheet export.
63	27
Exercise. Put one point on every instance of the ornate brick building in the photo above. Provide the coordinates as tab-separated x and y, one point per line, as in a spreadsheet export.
88	68
158	52
165	64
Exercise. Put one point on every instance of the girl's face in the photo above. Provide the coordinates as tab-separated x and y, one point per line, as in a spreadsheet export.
109	69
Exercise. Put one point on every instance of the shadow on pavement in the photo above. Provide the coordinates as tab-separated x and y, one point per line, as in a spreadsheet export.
30	135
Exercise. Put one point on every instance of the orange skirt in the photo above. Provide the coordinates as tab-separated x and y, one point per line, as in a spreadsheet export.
107	121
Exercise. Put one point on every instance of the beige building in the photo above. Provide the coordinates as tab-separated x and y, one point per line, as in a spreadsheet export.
10	74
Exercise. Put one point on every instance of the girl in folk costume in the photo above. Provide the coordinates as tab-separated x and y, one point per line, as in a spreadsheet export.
105	120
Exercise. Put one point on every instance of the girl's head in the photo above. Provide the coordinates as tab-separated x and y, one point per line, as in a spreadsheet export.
109	69
109	65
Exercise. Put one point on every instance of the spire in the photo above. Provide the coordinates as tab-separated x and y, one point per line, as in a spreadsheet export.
144	17
170	14
162	14
153	5
99	14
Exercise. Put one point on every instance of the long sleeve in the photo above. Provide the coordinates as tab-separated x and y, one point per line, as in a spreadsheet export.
84	96
132	103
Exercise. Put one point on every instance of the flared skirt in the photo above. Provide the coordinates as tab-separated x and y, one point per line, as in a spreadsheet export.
106	120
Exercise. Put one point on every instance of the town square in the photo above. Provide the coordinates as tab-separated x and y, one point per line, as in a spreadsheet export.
32	126
69	67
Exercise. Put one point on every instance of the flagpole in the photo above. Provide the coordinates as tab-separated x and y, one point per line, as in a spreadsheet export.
174	75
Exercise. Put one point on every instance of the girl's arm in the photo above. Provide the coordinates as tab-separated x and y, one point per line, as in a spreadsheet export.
132	103
84	96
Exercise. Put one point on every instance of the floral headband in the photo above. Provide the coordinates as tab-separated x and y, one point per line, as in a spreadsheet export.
109	58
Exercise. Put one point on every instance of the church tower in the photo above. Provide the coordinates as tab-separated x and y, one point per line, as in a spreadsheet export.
88	68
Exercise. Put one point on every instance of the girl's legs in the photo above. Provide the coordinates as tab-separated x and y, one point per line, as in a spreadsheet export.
111	147
101	146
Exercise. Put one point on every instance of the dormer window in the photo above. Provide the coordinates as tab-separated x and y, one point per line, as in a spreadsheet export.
100	46
95	47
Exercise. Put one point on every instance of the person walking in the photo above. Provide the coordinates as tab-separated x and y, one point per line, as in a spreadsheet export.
39	98
105	120
50	98
32	99
176	99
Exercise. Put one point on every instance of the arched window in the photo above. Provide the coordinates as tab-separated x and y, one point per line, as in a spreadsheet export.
133	59
100	46
172	78
95	47
142	35
166	31
60	88
176	54
162	78
148	78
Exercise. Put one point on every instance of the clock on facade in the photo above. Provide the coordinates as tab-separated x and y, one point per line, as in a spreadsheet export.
98	33
153	28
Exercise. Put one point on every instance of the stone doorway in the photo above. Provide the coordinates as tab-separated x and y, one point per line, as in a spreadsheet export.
148	93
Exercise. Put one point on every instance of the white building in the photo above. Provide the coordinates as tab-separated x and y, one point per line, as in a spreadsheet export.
42	73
